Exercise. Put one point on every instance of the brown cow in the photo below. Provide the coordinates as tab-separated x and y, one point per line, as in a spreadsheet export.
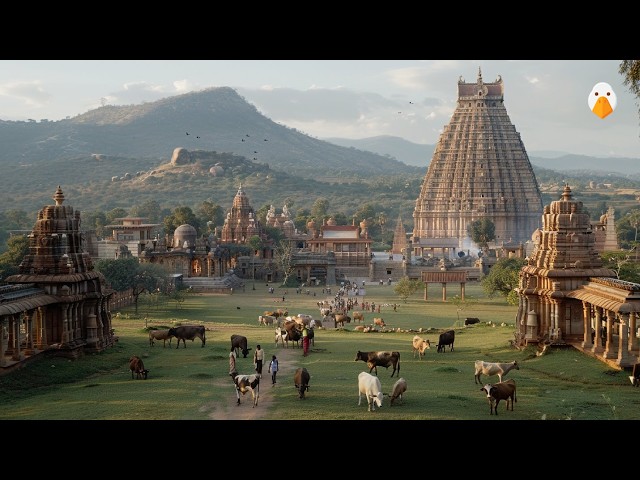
294	333
358	316
239	342
163	335
341	319
136	365
301	381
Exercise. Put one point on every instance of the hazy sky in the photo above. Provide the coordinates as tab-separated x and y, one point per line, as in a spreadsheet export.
547	100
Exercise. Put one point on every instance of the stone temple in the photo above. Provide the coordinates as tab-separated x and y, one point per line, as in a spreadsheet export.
479	168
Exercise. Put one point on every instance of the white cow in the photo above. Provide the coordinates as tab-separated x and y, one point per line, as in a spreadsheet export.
248	383
490	368
369	386
281	335
266	319
398	390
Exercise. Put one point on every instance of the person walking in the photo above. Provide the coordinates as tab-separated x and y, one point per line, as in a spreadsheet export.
305	340
258	358
273	369
232	363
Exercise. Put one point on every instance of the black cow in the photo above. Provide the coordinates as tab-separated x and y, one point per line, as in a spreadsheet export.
301	381
471	320
380	359
188	332
239	343
445	339
500	391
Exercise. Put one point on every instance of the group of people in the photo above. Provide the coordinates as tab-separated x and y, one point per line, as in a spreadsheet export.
258	359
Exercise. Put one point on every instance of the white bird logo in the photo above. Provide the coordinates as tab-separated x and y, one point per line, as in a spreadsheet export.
602	99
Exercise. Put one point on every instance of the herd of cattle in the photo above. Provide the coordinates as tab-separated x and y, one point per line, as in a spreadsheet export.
369	385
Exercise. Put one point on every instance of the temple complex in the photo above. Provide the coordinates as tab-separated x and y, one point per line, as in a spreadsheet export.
567	297
57	302
479	168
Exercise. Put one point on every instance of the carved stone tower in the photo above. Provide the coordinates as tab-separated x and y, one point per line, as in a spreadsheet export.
479	168
241	223
399	237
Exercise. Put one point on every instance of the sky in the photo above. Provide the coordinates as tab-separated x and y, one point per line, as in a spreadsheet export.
546	100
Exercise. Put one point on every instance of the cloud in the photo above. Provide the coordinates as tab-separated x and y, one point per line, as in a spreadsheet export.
30	93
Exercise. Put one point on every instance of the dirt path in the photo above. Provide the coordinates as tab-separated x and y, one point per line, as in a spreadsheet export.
245	411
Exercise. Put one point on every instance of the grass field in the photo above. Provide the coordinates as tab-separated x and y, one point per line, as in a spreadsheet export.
192	383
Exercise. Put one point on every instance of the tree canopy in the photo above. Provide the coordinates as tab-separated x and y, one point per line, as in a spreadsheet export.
503	278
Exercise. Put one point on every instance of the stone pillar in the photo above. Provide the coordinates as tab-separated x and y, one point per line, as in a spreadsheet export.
633	338
92	331
597	341
17	354
624	358
586	321
444	292
609	348
65	325
4	340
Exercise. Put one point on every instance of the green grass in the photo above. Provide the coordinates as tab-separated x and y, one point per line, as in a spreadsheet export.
185	383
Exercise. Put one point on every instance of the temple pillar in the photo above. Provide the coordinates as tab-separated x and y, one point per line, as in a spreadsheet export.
609	348
633	337
586	326
623	340
597	341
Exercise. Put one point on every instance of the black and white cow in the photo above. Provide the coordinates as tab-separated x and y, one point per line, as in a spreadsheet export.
246	383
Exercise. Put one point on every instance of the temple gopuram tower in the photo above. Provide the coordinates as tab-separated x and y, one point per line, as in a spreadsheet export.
68	307
241	223
479	168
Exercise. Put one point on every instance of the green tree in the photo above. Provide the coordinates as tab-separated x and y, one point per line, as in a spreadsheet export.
462	303
114	214
151	210
128	273
482	231
622	263
17	248
319	209
405	287
630	69
95	220
210	212
503	278
181	216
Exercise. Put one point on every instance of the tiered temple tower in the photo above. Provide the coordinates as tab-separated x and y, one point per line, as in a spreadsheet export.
399	237
241	223
479	168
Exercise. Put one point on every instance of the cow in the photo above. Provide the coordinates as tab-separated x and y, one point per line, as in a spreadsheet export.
490	368
341	318
398	390
188	332
163	335
293	333
246	383
369	386
380	359
500	391
419	346
136	365
301	379
266	319
239	344
634	378
379	321
446	338
471	321
358	316
281	334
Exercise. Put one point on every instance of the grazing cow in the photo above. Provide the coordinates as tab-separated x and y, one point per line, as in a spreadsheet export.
358	316
446	338
398	389
301	380
188	332
163	335
293	333
246	383
266	319
500	391
239	344
379	321
369	386
471	320
281	334
341	318
380	359
491	368
136	366
419	346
